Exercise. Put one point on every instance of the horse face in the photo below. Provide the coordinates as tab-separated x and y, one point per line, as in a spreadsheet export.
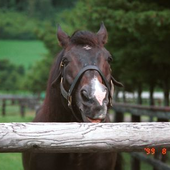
91	95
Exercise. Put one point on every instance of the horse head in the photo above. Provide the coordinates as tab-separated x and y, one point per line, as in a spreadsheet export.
86	83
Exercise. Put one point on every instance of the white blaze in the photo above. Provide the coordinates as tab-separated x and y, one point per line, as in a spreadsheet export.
87	47
98	91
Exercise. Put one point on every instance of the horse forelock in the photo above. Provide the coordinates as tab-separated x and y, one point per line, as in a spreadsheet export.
84	38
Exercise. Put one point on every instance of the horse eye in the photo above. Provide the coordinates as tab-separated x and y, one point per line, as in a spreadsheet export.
110	59
65	61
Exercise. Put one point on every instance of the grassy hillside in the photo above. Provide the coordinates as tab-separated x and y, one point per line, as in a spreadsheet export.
21	52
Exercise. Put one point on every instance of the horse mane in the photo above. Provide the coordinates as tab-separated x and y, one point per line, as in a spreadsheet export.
84	38
52	103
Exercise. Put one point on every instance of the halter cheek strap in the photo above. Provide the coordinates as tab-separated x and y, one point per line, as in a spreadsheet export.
68	95
65	93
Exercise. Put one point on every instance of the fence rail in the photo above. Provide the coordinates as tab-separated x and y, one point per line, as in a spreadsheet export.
15	97
83	137
137	111
140	110
22	101
155	163
89	137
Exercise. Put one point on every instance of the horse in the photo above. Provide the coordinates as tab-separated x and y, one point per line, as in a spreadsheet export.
80	89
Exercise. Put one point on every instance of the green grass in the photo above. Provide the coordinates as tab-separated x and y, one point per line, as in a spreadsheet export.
127	163
21	52
13	114
10	161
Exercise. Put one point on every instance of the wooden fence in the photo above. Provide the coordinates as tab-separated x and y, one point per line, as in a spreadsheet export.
83	137
22	101
145	137
161	114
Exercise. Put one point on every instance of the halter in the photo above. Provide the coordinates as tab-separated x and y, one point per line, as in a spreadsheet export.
68	95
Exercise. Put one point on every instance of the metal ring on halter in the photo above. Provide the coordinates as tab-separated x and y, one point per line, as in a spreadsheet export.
69	99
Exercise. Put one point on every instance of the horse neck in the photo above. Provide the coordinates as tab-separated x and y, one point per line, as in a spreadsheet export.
53	108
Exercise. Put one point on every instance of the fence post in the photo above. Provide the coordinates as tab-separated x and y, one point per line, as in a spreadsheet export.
119	117
12	101
151	100
135	163
22	108
3	107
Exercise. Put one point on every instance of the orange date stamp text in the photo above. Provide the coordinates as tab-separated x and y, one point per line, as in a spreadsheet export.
152	151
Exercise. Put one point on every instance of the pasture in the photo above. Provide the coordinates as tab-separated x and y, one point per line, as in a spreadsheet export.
22	52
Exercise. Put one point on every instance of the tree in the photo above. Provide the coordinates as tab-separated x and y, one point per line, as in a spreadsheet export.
36	79
10	76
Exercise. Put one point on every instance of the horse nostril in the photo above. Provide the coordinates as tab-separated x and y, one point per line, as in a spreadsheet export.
84	95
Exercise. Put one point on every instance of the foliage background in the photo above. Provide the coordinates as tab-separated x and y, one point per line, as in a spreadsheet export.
138	30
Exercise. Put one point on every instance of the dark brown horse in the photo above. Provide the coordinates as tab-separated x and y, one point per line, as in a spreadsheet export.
80	89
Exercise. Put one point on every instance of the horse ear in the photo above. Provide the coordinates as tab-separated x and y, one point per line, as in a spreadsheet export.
63	38
102	34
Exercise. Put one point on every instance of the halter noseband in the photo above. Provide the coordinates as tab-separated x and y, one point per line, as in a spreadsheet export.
68	95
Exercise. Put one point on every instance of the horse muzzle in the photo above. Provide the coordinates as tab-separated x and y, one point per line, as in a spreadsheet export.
93	101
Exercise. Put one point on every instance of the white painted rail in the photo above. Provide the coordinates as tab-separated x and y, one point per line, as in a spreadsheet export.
83	137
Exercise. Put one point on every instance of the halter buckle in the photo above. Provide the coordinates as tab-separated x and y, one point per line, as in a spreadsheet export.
61	64
111	102
69	98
